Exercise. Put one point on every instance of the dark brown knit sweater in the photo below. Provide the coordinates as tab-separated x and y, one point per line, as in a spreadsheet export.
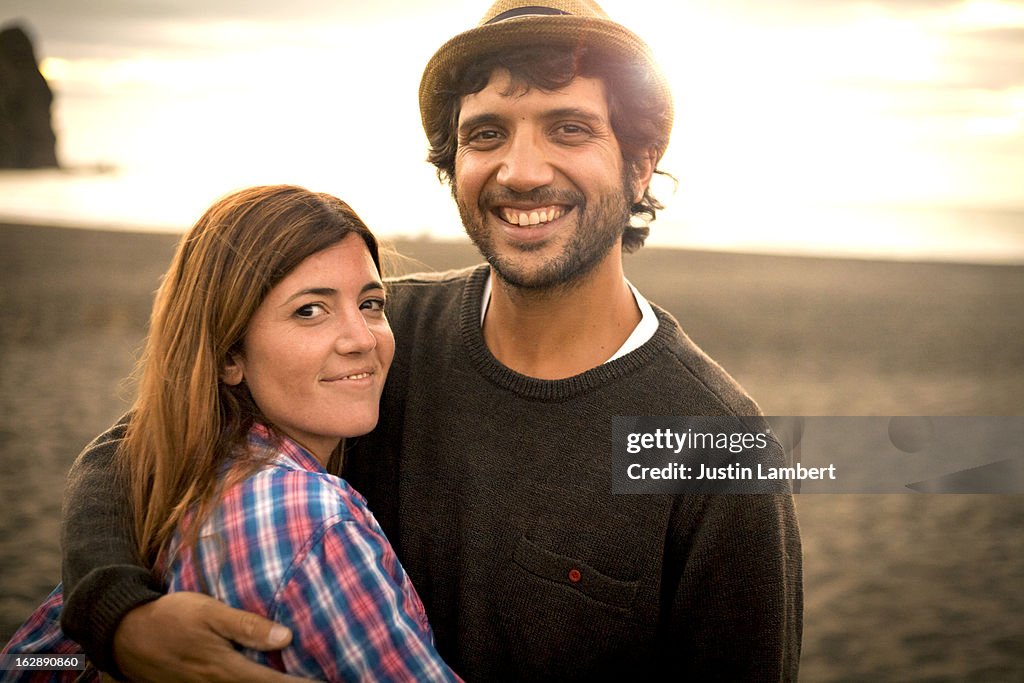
495	489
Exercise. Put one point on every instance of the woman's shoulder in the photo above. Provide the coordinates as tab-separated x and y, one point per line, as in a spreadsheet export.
276	475
284	491
261	529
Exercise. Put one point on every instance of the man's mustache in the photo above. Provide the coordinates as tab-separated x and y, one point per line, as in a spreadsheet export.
540	196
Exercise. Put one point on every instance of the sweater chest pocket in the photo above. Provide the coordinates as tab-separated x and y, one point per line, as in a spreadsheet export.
560	619
574	575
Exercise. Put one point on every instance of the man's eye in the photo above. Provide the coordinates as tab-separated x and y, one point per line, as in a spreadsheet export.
572	129
310	311
484	135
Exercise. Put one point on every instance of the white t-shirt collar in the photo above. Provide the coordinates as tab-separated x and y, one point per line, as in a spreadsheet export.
641	334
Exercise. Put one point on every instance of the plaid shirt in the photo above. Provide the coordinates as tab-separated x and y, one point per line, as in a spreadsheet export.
299	546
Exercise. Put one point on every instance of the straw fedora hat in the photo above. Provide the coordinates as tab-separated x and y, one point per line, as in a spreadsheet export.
514	23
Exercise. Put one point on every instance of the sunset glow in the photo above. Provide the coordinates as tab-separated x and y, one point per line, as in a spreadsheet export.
781	109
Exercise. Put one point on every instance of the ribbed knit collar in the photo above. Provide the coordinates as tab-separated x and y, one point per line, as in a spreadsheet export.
548	389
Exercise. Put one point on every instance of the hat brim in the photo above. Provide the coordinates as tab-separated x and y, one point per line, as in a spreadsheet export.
600	35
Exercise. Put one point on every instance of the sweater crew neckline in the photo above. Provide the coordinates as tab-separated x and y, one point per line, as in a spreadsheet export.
545	389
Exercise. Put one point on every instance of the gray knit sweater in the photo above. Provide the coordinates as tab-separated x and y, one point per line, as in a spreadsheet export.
495	489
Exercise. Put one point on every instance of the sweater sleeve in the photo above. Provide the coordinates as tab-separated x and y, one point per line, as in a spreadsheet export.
102	575
737	612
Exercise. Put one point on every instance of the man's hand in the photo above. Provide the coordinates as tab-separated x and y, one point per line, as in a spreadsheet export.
188	637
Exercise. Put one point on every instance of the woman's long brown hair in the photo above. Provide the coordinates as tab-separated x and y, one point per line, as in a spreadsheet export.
185	421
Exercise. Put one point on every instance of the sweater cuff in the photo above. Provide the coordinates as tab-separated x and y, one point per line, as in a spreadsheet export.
93	611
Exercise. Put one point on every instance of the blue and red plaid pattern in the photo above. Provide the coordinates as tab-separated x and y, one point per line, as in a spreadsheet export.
299	546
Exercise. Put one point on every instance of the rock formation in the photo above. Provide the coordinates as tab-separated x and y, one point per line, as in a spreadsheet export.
26	134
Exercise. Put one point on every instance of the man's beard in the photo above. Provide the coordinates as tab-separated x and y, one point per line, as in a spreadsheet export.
599	227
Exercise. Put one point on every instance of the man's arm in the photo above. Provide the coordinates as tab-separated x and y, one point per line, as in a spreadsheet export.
102	575
737	610
113	603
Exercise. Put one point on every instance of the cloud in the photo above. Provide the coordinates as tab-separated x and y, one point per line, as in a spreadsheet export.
71	29
990	58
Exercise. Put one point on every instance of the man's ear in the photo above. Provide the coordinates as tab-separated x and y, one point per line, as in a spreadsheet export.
643	171
234	370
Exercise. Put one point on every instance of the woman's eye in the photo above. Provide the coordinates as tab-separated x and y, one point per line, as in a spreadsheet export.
310	311
373	305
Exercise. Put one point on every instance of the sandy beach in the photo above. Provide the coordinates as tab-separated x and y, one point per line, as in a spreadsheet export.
897	587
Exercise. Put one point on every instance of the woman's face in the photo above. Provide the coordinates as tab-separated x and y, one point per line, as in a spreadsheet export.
317	350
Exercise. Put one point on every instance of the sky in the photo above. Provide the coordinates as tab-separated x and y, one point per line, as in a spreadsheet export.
780	106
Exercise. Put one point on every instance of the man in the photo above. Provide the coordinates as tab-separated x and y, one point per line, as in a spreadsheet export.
491	468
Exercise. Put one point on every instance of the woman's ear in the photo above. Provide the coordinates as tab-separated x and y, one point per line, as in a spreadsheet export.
234	370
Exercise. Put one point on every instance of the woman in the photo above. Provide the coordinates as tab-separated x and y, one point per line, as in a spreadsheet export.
268	346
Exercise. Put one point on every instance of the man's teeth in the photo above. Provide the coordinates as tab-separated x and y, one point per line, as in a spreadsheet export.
533	217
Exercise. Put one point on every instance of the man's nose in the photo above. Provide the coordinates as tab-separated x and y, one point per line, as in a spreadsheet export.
525	165
354	335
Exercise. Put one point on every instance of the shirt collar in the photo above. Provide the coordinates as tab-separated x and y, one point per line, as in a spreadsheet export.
261	437
642	333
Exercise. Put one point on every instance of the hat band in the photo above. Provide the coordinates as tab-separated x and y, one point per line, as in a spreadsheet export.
528	11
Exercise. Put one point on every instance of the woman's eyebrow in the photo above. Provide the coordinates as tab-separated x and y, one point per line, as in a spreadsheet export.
331	291
318	291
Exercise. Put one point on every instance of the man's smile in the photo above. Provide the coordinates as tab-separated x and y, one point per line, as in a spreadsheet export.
531	216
